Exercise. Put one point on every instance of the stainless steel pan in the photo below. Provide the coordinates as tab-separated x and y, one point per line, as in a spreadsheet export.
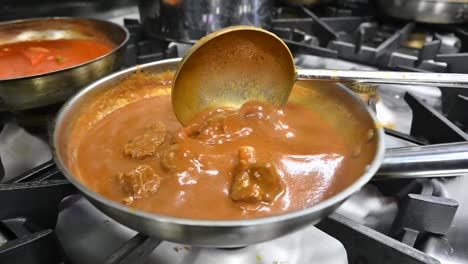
427	11
189	20
338	105
56	87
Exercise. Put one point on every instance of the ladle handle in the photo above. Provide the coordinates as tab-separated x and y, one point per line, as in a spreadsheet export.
440	160
386	77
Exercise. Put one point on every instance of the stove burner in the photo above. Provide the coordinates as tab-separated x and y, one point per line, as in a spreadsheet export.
455	105
423	211
366	246
26	229
367	40
142	49
46	171
136	250
425	119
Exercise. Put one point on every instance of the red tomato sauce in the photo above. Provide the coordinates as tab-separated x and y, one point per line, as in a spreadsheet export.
27	58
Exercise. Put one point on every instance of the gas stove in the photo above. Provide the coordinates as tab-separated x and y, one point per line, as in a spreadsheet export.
45	220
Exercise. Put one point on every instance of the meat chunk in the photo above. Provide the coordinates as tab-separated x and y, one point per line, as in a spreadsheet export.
148	144
214	127
254	181
139	183
168	156
207	127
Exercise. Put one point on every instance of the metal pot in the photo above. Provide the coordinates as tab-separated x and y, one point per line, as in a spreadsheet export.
300	2
56	87
189	20
338	105
426	11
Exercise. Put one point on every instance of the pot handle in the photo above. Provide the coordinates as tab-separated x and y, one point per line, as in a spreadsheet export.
439	160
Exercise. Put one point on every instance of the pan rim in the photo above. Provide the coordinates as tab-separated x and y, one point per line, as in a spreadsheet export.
327	203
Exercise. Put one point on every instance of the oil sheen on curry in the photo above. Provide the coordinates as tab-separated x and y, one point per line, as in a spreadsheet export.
259	160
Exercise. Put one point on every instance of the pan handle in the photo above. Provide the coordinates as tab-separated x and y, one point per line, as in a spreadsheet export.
454	80
439	160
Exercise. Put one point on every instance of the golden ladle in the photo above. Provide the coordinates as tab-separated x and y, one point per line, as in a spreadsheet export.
241	63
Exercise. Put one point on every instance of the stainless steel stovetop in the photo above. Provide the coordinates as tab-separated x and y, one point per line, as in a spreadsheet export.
89	236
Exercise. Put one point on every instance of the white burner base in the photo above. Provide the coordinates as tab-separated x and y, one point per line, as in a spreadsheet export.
89	236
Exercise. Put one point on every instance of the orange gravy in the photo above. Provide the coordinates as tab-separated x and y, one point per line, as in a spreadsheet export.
309	158
27	58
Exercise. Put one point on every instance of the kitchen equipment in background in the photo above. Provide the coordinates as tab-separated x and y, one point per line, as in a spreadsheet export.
301	2
308	3
189	20
55	87
100	9
426	11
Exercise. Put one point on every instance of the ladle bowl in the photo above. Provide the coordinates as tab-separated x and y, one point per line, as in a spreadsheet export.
237	64
229	67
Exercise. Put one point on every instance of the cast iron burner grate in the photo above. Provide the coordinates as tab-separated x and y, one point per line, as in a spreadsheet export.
27	228
28	217
372	41
143	49
387	45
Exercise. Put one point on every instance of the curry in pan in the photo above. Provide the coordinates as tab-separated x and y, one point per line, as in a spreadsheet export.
259	160
26	58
